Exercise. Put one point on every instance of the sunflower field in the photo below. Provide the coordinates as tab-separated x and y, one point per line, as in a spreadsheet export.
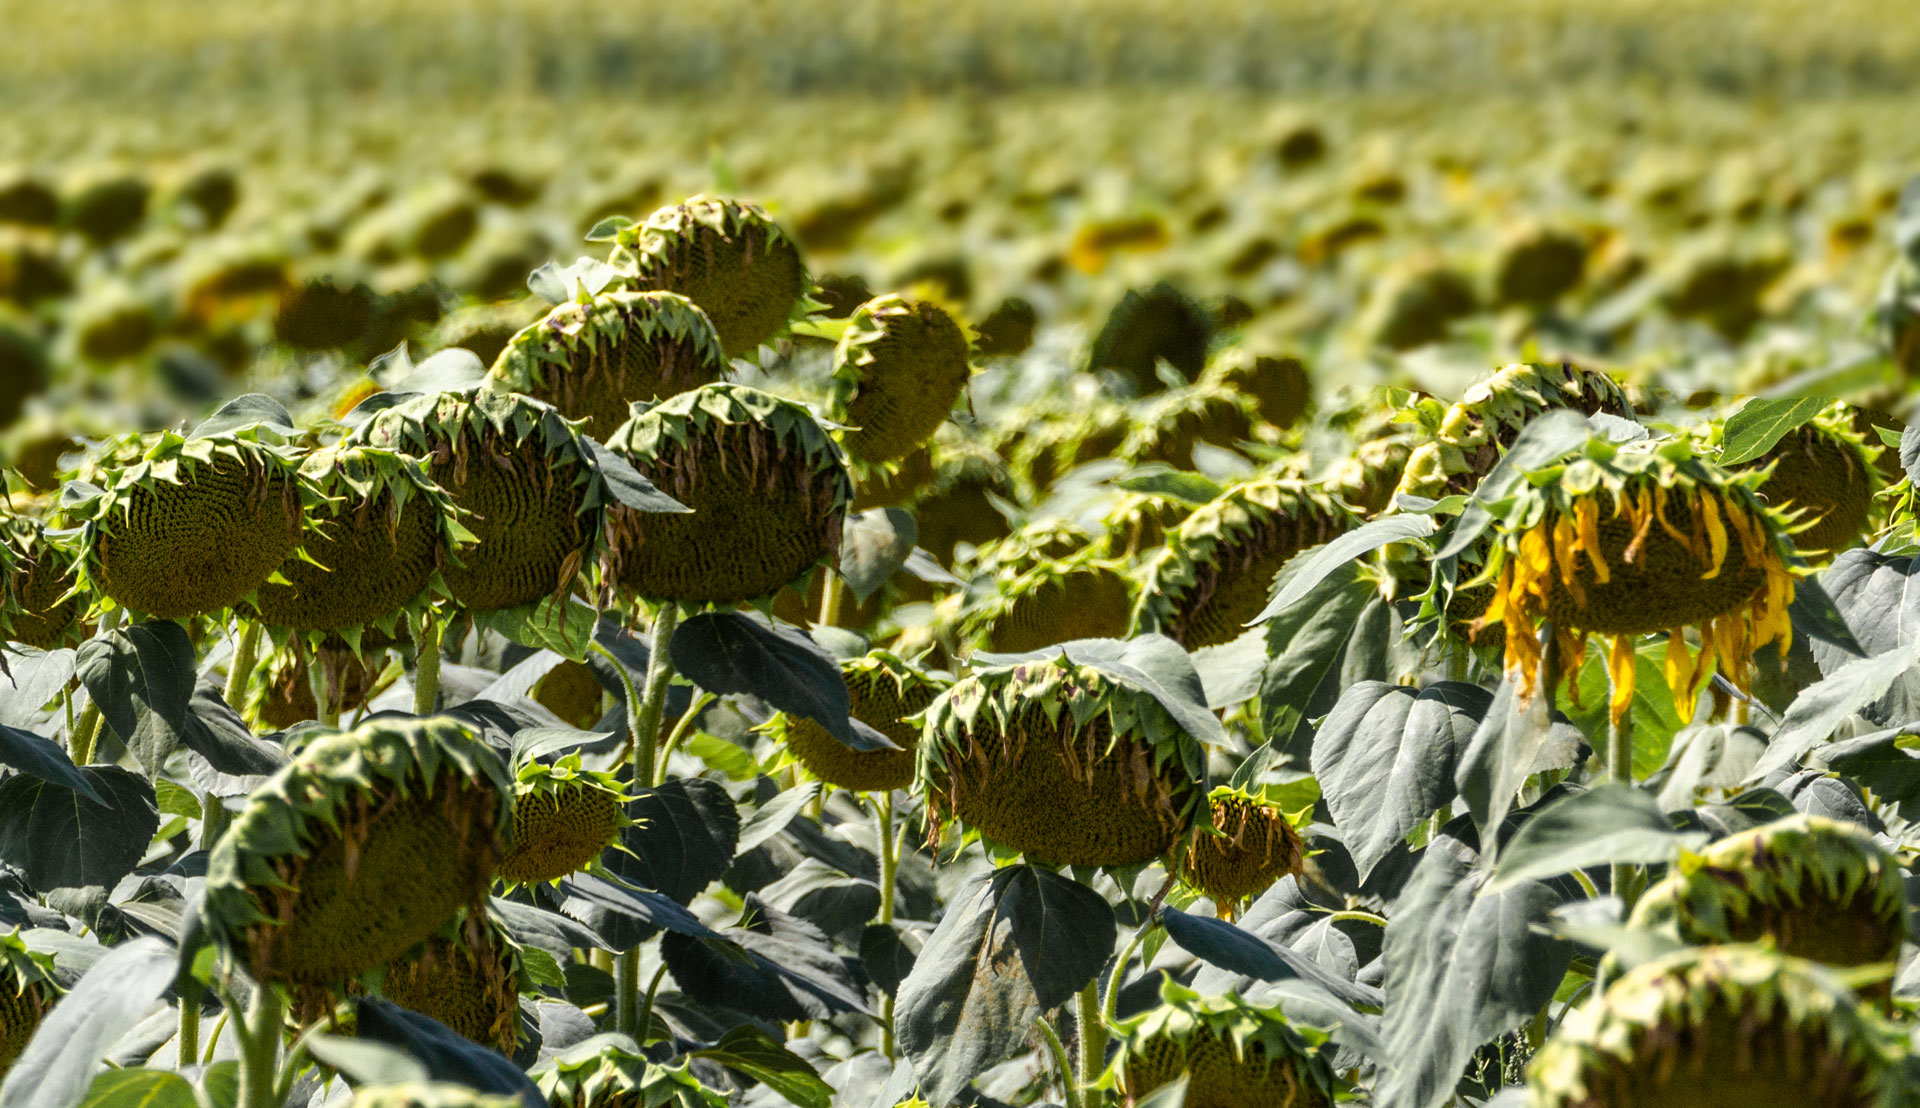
1096	554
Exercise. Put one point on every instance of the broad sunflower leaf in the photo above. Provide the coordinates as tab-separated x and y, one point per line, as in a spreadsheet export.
59	1064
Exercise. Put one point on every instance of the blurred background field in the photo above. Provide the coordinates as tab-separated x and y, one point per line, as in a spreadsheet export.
204	198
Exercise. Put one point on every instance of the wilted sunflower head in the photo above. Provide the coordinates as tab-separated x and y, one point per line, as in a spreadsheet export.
361	847
1167	427
1629	541
523	475
886	693
372	552
1719	1025
592	359
727	256
1822	476
768	490
24	365
1817	888
1365	479
174	527
1217	568
1252	844
27	991
1279	387
1147	328
1061	763
1043	585
470	976
958	505
38	605
564	815
1470	436
611	1071
897	372
1233	1054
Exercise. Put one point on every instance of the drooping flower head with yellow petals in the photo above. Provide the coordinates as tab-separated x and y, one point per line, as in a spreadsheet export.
1633	540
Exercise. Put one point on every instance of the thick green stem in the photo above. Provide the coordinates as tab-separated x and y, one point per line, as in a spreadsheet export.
245	653
260	1050
643	721
889	867
214	818
426	665
189	1035
1093	1035
830	590
1060	1063
626	992
1112	1004
84	733
1620	770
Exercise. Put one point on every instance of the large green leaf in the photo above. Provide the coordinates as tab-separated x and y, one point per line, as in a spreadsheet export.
728	652
1515	740
560	624
142	678
1607	823
60	840
57	1068
1306	642
1299	577
243	413
1385	757
968	1004
1655	719
140	1088
1062	929
681	840
43	758
1464	963
444	1054
1159	667
1242	952
1824	705
1761	423
773	965
35	678
750	1051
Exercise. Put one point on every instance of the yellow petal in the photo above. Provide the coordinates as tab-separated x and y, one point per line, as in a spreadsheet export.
1565	555
1587	512
1716	536
1680	673
1620	672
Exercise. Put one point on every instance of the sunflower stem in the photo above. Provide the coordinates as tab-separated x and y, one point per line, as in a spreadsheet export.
889	866
830	589
626	991
189	1036
1093	1035
214	818
245	653
643	720
1111	1006
1620	770
328	712
84	733
260	1049
426	665
1060	1062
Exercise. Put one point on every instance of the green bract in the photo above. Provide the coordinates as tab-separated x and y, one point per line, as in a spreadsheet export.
609	1071
1218	567
1233	1054
373	551
767	487
591	359
524	475
361	847
177	527
898	370
728	257
1819	889
886	693
1727	1025
1061	763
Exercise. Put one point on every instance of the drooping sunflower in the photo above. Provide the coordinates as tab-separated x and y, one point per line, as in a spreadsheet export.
1233	1054
1630	541
1471	435
27	992
564	816
1719	1025
592	359
1059	762
727	256
363	846
957	505
469	976
1822	475
768	490
1146	328
175	527
1167	427
885	692
897	372
1253	845
1817	888
37	580
524	475
373	551
1047	584
1217	568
